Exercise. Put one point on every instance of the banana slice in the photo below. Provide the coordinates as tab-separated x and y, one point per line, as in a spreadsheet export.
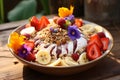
29	30
55	63
58	62
83	59
90	29
63	63
99	28
70	61
43	57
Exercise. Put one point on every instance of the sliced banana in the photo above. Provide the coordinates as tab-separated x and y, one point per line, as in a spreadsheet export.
43	57
29	30
63	63
83	59
70	61
58	62
55	62
99	28
90	29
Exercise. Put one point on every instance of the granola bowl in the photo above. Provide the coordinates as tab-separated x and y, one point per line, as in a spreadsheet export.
55	68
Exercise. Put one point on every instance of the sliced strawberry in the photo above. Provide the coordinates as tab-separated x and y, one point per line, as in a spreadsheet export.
93	51
30	44
46	21
101	34
43	22
61	22
95	39
105	42
75	56
34	21
78	22
30	57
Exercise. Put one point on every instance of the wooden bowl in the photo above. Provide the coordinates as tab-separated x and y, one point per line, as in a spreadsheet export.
64	70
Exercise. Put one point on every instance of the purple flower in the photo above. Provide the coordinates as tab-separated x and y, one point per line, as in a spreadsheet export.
73	32
54	30
51	29
24	51
70	18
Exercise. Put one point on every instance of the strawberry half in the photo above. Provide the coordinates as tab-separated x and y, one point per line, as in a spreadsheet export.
34	21
93	51
43	22
101	34
30	44
105	42
30	57
95	39
78	22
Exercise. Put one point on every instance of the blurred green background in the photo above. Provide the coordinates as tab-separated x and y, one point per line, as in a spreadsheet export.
14	10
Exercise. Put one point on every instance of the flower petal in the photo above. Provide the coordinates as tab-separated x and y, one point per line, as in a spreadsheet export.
16	41
64	12
73	32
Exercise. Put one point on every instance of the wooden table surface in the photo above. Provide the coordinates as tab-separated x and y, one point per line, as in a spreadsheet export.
12	69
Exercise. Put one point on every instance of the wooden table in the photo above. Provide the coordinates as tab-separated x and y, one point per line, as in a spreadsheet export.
12	69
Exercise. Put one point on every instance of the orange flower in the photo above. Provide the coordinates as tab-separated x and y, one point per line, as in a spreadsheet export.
16	41
64	12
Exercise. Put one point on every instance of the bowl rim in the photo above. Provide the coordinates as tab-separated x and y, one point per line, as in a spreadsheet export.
60	67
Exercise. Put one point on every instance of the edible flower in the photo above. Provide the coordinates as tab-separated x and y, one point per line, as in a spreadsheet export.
70	18
73	32
16	41
64	12
24	51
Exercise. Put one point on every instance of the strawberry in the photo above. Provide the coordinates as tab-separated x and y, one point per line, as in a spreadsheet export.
30	57
105	42
78	22
95	39
75	56
101	34
61	22
29	44
93	51
34	22
43	22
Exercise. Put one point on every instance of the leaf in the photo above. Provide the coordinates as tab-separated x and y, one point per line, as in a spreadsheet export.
45	4
24	10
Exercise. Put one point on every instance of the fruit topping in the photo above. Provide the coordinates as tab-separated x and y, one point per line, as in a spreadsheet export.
29	44
95	39
61	22
93	51
34	22
83	58
78	22
39	24
101	34
27	31
30	57
105	42
75	56
43	57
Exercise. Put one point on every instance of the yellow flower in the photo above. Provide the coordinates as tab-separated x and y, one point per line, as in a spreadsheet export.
16	41
64	12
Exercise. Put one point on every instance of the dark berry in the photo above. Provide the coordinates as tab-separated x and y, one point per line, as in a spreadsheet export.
75	56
